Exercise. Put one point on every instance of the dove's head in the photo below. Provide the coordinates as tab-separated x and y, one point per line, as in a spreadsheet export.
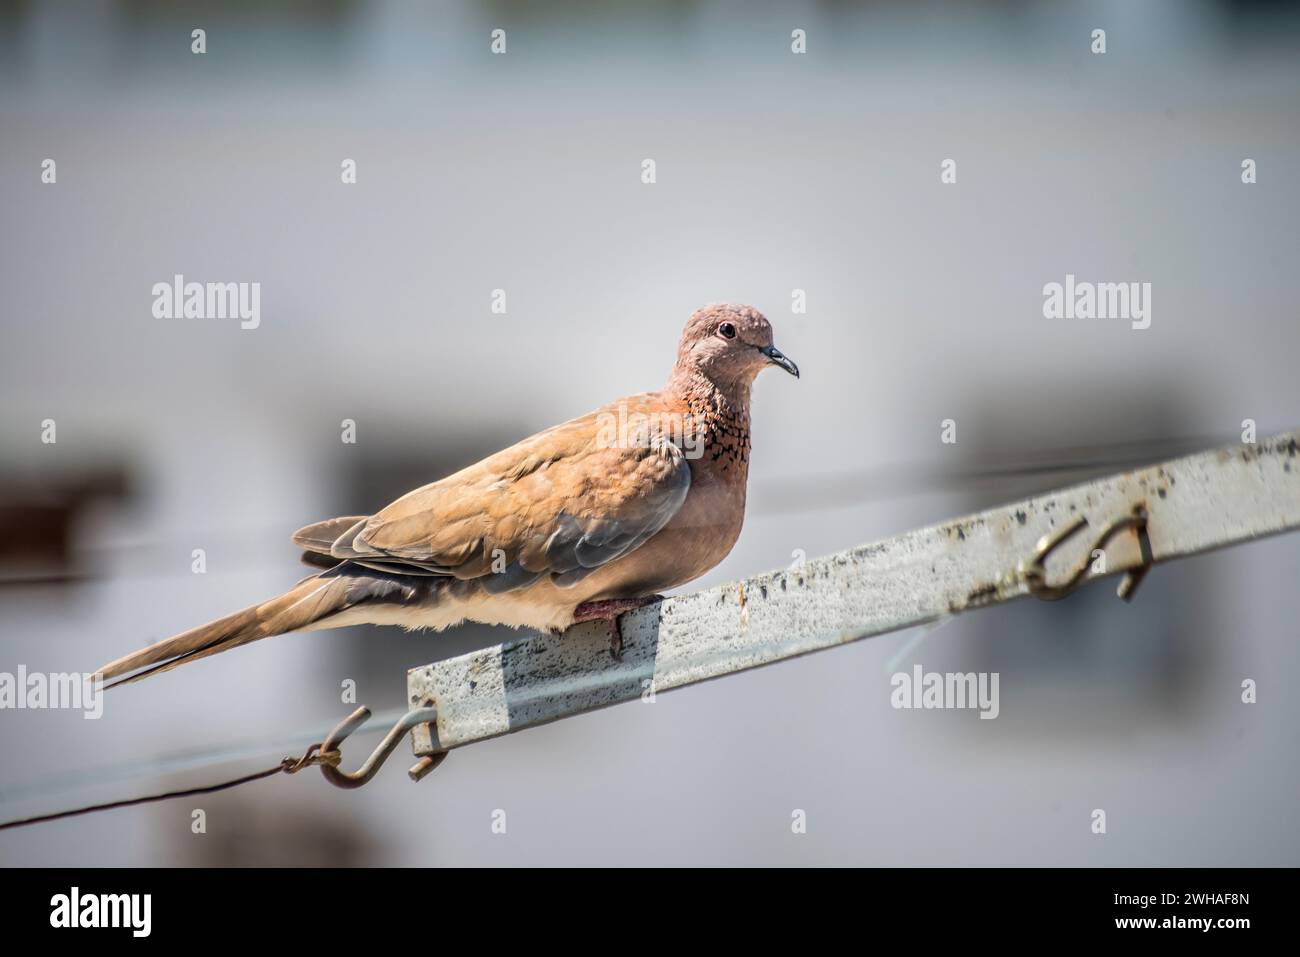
729	345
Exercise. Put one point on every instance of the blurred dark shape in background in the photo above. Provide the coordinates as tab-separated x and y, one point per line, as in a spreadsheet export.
39	524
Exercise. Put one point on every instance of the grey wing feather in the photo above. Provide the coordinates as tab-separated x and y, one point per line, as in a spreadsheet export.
577	548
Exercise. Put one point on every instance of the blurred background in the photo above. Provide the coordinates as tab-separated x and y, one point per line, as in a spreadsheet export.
522	172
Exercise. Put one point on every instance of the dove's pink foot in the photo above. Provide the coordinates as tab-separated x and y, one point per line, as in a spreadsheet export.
608	611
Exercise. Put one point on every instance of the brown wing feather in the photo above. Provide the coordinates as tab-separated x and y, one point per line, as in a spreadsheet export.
321	536
562	502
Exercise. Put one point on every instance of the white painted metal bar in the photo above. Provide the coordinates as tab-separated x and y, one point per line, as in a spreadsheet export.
1201	502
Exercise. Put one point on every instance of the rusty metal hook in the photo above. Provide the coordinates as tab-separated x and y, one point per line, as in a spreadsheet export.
1034	572
327	754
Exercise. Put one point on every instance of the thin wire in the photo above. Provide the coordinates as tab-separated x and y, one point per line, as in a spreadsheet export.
148	799
310	758
176	762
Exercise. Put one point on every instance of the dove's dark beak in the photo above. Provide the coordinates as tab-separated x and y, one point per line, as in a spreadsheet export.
777	357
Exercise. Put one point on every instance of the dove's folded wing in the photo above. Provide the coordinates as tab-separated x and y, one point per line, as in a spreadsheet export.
561	503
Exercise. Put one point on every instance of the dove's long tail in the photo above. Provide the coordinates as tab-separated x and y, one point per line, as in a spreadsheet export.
310	601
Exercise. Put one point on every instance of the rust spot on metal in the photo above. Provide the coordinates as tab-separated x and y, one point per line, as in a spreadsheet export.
958	530
982	595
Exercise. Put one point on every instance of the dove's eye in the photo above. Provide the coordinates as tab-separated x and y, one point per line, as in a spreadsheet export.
727	330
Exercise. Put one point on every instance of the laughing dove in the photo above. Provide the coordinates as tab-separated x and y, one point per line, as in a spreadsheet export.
583	521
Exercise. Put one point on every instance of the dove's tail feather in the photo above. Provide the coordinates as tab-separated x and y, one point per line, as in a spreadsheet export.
310	601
